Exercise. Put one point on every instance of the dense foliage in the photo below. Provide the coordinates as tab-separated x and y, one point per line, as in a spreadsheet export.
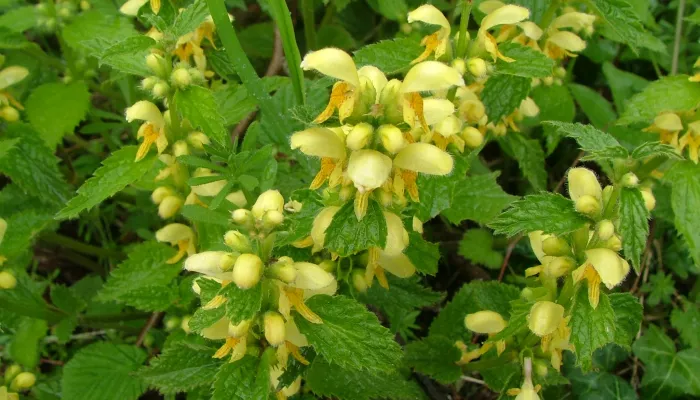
349	199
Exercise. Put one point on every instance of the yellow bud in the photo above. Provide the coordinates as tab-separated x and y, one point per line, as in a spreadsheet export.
23	381
12	371
588	205
85	5
272	219
359	136
171	323
554	246
198	140
180	78
605	229
431	76
215	264
582	181
242	216
327	265
237	241
424	158
148	82
649	199
485	322
558	267
614	243
268	201
274	328
459	65
157	64
392	138
540	368
375	76
170	206
368	169
358	280
629	180
560	72
185	324
161	193
283	271
449	126
160	89
180	148
473	137
312	277
385	198
9	114
247	271
545	317
390	98
237	198
529	108
239	330
477	67
397	236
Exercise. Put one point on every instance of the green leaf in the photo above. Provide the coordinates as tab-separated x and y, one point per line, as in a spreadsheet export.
437	192
503	94
667	373
242	304
18	19
67	300
671	93
687	323
473	297
660	288
694	18
478	198
346	235
189	19
655	149
600	386
258	39
128	55
528	63
505	376
104	371
335	36
391	56
599	144
144	281
247	378
395	10
477	246
555	103
517	322
330	380
622	24
623	84
24	347
590	328
530	157
198	105
93	31
634	225
116	172
350	336
203	318
12	40
685	201
628	318
26	300
32	166
197	213
182	366
534	213
435	356
423	254
598	110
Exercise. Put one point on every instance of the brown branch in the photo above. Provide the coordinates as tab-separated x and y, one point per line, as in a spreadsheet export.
509	251
155	317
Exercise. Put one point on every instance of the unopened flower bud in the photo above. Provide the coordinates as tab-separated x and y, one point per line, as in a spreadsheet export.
85	5
392	138
242	217
239	330
545	317
148	82
185	324
629	180
274	328
157	64
23	381
540	368
170	206
359	136
605	229
391	99
198	140
9	114
529	108
614	243
588	205
7	280
548	81
477	67
268	201
558	267
160	89
180	148
180	78
237	241
247	271
358	280
385	198
649	199
12	371
272	219
171	323
473	137
459	65
485	322
283	271
583	182
554	246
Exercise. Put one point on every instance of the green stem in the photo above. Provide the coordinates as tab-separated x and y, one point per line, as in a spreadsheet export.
610	206
80	247
307	12
175	123
244	68
283	18
678	37
548	16
462	43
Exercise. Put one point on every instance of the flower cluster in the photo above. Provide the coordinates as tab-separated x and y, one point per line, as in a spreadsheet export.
15	380
671	126
9	76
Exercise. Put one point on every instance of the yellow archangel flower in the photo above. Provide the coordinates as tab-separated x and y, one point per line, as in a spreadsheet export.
152	130
696	77
179	235
503	15
691	139
8	77
527	391
561	43
190	44
484	322
436	42
132	7
667	125
601	266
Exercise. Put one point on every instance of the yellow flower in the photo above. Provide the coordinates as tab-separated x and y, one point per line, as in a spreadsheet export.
152	130
503	15
485	322
557	342
545	317
601	266
576	21
8	105
179	235
527	391
215	264
368	170
190	44
327	144
696	77
132	7
691	139
436	42
563	43
423	77
667	125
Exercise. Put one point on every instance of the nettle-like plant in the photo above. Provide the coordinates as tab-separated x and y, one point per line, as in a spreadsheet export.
262	245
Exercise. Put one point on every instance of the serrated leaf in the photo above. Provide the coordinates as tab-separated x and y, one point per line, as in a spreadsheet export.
622	24
104	371
197	213
685	201
437	192
478	198
687	323
298	225
671	93
242	304
502	94
598	110
599	144
18	19
12	40
634	225
435	356
529	63
198	105
350	336
116	172
346	235
668	373
600	386
26	300
32	166
517	322
189	19
93	31
530	157
591	328
533	213
623	84
391	56
473	297
477	246
555	103
129	55
144	280
182	366
332	381
655	149
247	378
423	254
628	318
204	318
22	229
395	10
